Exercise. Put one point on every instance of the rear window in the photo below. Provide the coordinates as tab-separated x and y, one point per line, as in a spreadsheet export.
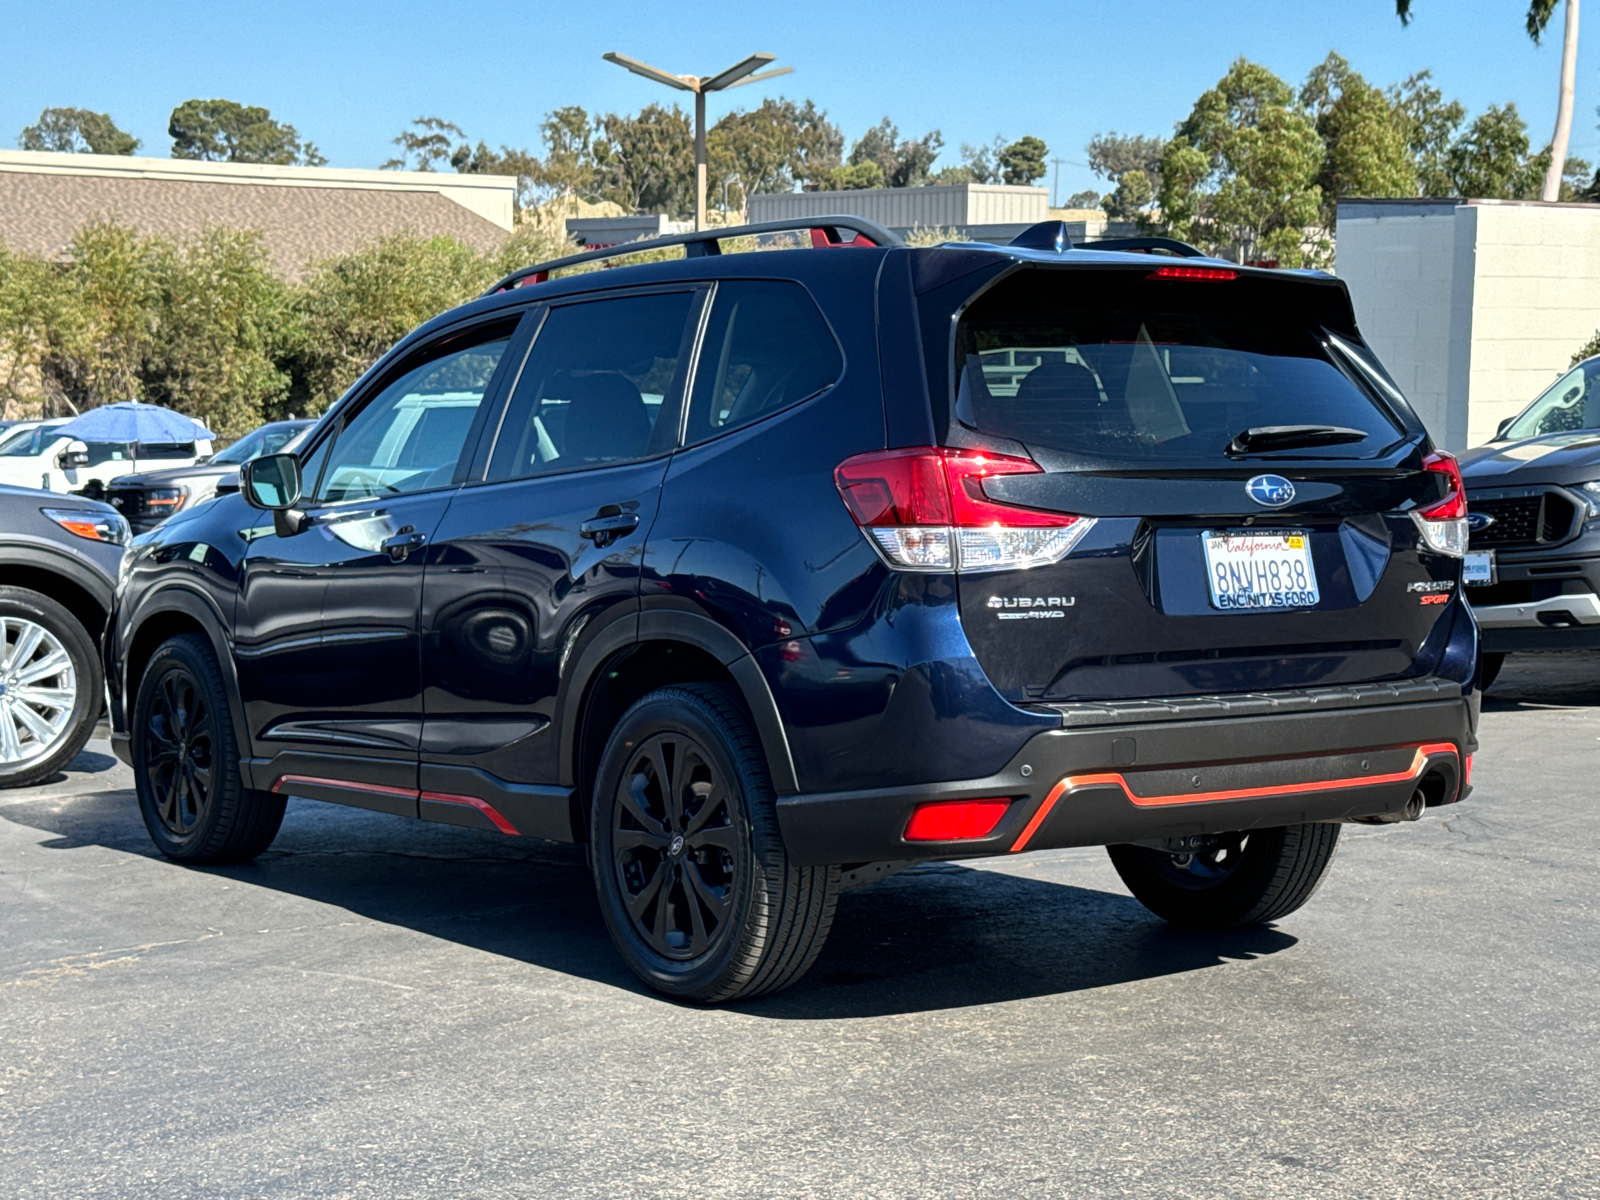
1158	371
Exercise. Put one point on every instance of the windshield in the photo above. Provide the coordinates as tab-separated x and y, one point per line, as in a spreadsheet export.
1156	371
29	442
269	439
1569	404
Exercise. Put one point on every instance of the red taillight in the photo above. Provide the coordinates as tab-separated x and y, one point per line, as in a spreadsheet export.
1216	273
955	820
925	510
928	485
1454	506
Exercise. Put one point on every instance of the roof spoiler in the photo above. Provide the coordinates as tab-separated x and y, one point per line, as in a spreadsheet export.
824	233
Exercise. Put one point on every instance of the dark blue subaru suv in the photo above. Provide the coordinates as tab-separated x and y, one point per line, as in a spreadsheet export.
768	573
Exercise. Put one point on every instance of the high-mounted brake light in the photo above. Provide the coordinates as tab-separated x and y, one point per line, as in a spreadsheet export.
1443	524
1216	273
955	820
925	509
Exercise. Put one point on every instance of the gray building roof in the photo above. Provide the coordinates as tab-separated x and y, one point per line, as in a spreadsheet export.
302	213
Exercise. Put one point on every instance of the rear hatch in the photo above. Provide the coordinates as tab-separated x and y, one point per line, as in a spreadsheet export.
1254	496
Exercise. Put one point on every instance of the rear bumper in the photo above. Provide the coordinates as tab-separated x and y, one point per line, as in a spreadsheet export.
1131	782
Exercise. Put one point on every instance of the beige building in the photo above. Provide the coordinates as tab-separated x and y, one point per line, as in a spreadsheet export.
303	213
1475	306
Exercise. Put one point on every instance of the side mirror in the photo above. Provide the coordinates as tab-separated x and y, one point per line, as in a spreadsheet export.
1500	429
272	482
75	455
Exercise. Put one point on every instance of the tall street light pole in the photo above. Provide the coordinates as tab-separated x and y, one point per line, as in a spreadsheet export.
735	76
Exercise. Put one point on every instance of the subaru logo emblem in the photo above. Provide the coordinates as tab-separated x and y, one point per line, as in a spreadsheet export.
1270	491
1478	522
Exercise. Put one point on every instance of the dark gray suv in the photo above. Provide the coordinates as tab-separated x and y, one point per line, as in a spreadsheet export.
59	558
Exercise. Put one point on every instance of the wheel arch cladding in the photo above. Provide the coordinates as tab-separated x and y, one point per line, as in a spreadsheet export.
168	615
66	591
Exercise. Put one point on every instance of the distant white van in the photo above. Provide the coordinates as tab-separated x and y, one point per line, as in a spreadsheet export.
36	455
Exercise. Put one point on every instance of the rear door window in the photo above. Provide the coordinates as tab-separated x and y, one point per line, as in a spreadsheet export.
766	347
600	386
1158	373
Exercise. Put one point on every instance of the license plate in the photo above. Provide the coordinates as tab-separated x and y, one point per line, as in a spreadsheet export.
1260	570
1477	569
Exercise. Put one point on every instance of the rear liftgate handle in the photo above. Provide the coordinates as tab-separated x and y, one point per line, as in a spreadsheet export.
608	525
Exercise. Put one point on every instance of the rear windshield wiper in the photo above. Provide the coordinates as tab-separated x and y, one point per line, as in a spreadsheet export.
1259	438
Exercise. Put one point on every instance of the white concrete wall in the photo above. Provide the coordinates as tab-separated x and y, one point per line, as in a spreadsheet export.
1475	306
1400	265
1536	299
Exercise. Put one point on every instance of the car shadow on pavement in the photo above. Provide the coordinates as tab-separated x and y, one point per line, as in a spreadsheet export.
1546	679
938	936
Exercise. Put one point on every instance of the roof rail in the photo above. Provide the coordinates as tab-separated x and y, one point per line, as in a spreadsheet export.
702	243
1147	245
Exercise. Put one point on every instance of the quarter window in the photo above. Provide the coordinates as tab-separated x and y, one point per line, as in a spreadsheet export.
595	386
409	437
766	347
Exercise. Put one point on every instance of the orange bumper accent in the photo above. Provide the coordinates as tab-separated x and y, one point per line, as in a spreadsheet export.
1419	763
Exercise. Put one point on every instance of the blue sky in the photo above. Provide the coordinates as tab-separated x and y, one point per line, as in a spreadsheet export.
351	76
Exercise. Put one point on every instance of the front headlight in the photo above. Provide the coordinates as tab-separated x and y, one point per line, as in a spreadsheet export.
165	500
1591	498
86	523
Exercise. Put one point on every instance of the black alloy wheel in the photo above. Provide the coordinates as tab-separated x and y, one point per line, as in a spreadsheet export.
186	766
1230	879
180	753
678	854
695	884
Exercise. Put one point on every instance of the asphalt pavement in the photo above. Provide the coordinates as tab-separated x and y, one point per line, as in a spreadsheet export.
382	1008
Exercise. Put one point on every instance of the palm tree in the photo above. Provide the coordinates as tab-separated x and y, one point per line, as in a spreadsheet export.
1539	13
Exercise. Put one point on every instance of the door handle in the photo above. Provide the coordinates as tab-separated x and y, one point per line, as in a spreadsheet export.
403	543
608	525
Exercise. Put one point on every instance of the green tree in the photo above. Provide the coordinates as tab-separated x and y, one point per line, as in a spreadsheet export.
1487	160
771	149
1430	125
646	163
854	177
1022	162
1088	198
32	301
220	312
352	308
1132	163
103	342
1239	174
1365	148
77	131
905	163
1538	16
225	131
429	142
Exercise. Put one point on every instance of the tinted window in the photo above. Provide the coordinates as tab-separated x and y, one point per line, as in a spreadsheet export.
1569	404
1175	375
409	437
29	442
269	439
594	387
766	347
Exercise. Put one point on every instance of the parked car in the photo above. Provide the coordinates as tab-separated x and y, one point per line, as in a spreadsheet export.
150	497
42	457
750	572
59	557
1533	498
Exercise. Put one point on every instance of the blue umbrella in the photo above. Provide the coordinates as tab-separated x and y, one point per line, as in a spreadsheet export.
131	421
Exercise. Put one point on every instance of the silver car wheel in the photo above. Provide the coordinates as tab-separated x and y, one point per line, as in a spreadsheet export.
38	691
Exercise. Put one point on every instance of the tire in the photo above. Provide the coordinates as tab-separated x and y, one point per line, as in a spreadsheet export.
186	761
51	686
1491	669
1243	879
700	897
